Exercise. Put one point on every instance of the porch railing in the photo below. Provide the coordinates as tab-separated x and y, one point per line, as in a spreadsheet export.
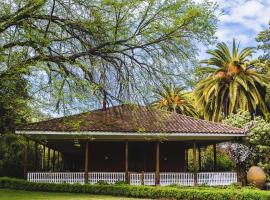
186	179
56	177
217	178
109	177
146	178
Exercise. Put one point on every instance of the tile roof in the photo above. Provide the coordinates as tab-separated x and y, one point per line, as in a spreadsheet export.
131	118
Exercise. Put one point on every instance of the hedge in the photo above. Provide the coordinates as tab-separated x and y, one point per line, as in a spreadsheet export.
186	193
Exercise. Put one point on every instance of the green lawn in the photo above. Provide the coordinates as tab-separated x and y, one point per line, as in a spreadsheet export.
26	195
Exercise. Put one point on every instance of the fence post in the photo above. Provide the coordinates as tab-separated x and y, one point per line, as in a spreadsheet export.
142	178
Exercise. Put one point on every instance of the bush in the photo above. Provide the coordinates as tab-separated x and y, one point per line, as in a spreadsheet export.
187	193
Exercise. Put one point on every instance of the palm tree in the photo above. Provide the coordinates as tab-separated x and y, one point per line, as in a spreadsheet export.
232	83
174	99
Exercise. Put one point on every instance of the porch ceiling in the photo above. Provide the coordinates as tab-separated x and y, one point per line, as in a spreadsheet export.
74	145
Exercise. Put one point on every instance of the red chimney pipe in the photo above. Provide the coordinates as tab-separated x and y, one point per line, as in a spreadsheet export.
104	101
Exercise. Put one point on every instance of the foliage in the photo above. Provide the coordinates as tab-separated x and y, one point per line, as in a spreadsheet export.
224	161
264	39
232	83
140	191
258	140
116	47
174	99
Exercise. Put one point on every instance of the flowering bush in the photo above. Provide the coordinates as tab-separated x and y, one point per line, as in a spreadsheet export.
255	149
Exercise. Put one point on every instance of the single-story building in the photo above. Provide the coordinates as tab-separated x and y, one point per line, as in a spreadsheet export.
136	144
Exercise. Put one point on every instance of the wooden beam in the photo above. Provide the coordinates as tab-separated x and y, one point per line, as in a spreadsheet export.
215	156
36	156
44	157
86	162
58	159
26	148
53	161
200	159
157	164
186	160
126	162
195	163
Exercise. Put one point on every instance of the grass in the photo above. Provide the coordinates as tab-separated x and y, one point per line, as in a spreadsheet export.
27	195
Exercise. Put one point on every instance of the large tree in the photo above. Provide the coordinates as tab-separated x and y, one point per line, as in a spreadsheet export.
103	46
232	83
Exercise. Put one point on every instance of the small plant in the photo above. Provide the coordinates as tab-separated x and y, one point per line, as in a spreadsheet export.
102	183
120	183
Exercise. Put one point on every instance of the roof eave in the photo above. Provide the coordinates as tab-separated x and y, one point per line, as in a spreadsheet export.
108	133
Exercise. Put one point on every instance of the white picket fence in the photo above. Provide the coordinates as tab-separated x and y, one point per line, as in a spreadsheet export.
217	178
147	178
56	177
135	179
109	177
185	179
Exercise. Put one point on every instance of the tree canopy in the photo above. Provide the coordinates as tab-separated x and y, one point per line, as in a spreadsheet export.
91	47
174	99
232	83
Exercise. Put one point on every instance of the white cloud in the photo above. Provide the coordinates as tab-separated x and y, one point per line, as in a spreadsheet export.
242	20
252	14
227	35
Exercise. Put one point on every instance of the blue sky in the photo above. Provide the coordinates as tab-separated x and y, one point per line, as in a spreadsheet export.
242	20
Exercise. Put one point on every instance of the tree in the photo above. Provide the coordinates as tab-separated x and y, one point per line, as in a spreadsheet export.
264	39
255	150
174	99
264	44
232	83
112	46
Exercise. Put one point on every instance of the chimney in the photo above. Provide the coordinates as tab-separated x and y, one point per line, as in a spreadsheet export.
104	101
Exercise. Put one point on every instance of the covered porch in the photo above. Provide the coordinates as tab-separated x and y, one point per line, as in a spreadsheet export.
134	162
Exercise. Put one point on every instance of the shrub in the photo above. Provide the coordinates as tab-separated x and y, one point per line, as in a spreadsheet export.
187	193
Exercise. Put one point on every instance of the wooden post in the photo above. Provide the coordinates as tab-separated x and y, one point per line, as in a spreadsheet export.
200	159
126	162
86	167
186	159
215	156
157	164
49	158
26	148
36	156
53	161
44	157
194	164
58	160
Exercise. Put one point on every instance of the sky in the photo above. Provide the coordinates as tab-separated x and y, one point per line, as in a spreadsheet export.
242	20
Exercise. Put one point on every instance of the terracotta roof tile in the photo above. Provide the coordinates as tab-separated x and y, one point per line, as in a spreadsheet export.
131	118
